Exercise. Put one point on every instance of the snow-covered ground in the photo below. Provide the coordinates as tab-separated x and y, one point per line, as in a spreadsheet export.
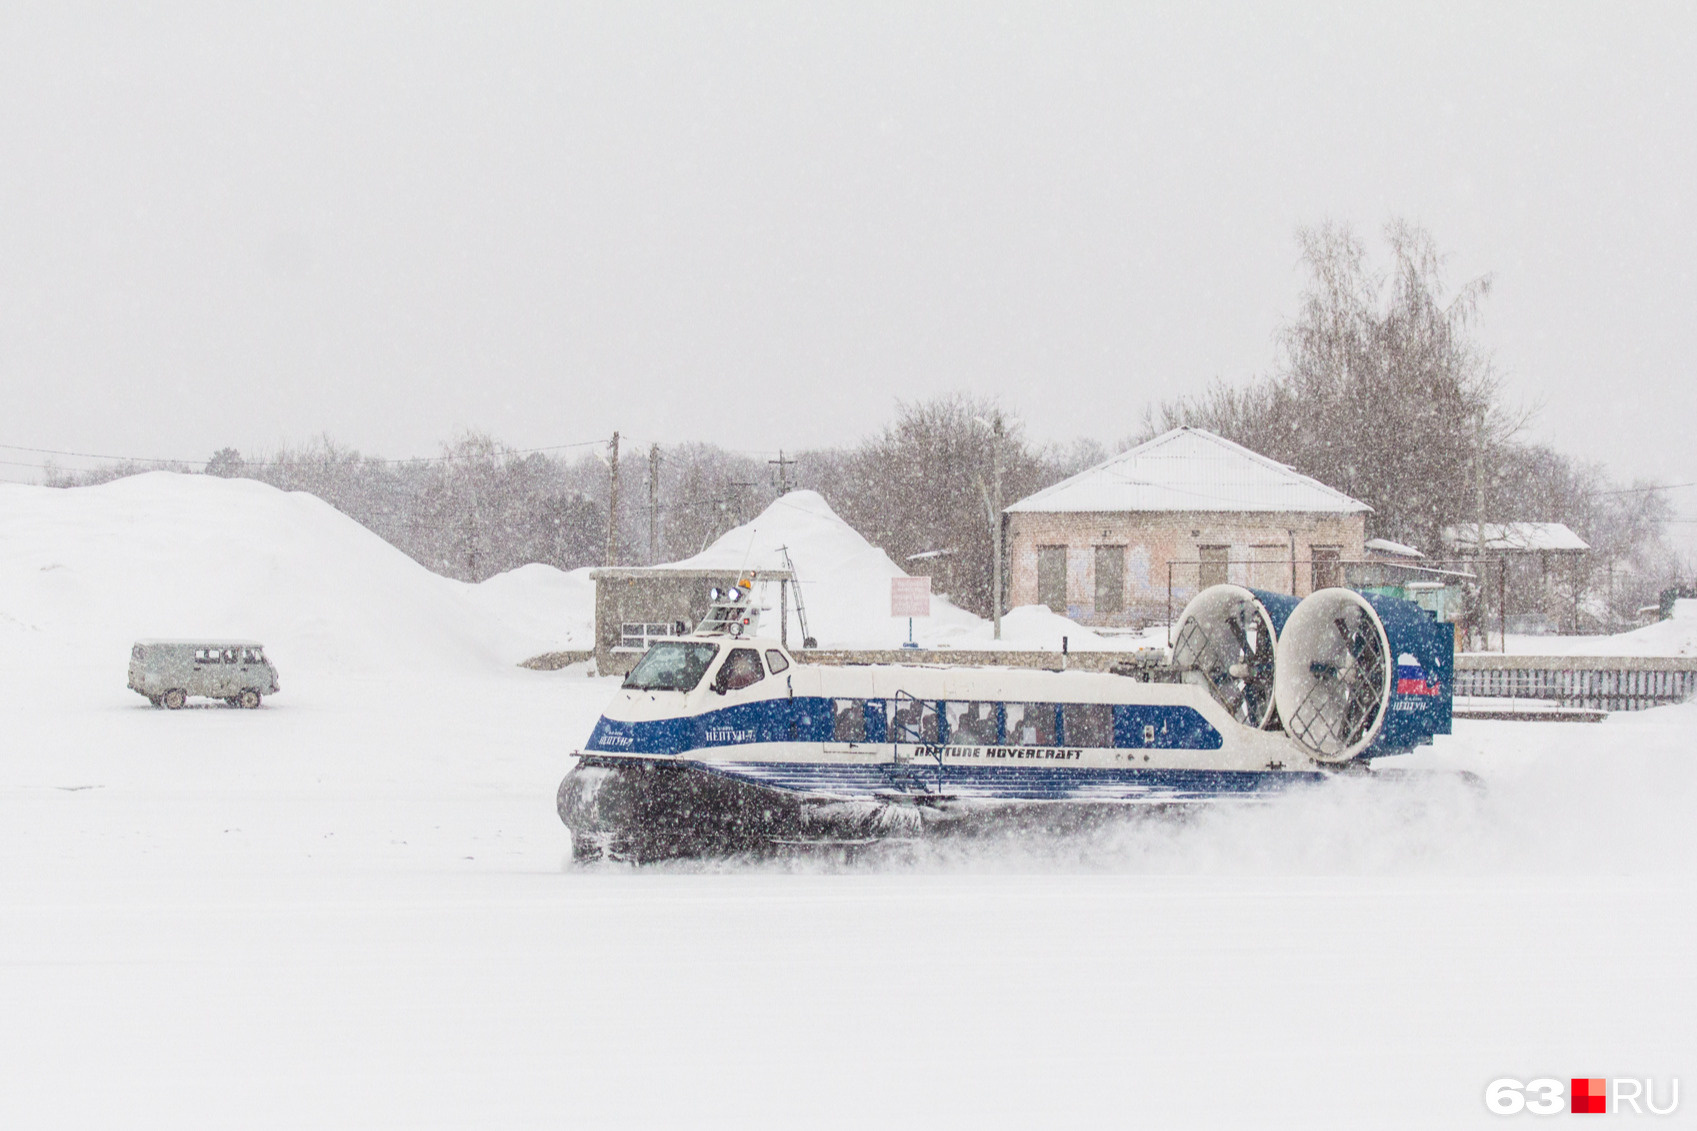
1676	636
350	908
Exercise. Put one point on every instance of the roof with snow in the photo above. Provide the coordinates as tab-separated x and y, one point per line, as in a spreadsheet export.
1511	536
1390	549
1190	469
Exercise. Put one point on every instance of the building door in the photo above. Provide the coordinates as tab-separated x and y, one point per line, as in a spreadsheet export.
1213	568
1052	577
1327	572
1110	580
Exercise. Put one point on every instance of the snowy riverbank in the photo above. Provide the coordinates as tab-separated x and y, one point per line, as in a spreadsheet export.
349	908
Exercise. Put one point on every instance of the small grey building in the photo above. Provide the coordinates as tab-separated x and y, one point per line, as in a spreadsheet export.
636	604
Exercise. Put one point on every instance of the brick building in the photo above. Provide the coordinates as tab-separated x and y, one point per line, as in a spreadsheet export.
1097	547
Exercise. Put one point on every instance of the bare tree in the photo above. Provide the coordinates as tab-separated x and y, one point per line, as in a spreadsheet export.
1379	385
916	489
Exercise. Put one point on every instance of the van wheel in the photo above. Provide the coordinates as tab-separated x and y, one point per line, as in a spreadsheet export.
249	699
174	698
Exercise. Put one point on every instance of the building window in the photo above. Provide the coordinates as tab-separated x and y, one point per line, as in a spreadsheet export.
1052	577
1212	571
1327	572
1110	580
1271	568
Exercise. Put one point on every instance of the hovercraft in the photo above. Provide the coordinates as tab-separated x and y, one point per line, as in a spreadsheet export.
721	742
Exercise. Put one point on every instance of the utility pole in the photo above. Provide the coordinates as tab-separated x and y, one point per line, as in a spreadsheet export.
996	526
612	556
783	466
653	503
1479	531
993	505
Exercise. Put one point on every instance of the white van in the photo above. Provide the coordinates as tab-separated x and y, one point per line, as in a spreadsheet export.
167	672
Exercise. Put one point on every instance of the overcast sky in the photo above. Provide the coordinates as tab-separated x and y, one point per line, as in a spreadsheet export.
761	225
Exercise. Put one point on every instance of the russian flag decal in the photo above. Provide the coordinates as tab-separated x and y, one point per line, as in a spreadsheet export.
1411	678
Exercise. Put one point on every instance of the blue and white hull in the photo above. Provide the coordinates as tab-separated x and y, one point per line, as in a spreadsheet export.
723	743
902	751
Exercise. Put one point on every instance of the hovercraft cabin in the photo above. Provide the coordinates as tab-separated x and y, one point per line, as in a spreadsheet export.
1097	547
635	605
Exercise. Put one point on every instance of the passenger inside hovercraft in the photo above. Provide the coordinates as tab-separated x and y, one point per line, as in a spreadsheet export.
954	722
971	724
741	669
1031	724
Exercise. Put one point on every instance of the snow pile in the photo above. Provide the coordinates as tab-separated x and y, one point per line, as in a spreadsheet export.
845	582
84	572
536	602
1040	627
1676	636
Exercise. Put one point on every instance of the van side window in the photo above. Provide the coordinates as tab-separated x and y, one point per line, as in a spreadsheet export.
203	656
229	655
775	661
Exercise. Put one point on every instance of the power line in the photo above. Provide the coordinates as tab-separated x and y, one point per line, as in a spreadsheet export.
86	455
1638	490
192	462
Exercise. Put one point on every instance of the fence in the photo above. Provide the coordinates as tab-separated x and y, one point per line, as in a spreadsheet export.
1606	683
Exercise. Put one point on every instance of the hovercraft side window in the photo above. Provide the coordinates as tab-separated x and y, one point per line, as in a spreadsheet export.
1088	724
742	669
671	666
912	720
850	721
971	724
1031	724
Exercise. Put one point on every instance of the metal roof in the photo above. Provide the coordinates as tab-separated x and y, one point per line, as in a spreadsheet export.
619	573
1394	549
1512	536
1190	469
199	642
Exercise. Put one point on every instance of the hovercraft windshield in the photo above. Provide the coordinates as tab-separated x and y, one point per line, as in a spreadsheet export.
671	665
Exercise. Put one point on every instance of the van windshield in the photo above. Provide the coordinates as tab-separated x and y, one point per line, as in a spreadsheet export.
671	665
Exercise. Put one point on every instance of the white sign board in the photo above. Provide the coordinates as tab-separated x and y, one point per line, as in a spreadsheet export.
910	596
